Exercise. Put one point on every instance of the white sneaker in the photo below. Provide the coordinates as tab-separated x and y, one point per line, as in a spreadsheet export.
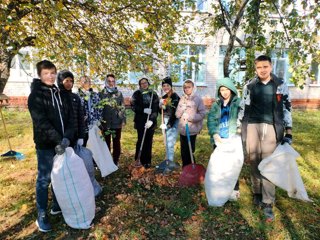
235	195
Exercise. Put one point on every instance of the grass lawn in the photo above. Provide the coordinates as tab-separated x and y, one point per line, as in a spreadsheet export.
148	209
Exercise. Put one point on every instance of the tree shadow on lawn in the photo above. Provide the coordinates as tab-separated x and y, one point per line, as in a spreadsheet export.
300	218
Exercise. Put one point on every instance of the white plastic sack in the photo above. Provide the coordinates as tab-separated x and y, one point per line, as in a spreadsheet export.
100	151
223	171
73	189
281	169
86	155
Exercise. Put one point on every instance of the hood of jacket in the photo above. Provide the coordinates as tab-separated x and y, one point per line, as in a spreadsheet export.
228	83
38	85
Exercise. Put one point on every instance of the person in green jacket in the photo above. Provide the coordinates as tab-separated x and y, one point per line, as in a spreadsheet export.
222	118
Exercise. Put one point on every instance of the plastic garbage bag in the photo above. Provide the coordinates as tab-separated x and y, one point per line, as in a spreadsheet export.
281	169
223	170
73	189
86	155
101	153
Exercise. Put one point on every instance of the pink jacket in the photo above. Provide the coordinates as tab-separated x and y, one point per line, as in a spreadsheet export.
190	110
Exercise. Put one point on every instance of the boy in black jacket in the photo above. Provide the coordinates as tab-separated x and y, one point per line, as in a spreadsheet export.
51	114
65	81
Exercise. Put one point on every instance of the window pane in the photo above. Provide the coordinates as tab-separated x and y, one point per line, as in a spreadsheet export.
192	64
315	72
234	65
195	5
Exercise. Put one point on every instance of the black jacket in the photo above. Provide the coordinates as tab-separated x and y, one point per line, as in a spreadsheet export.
171	107
113	113
78	114
141	100
51	114
281	106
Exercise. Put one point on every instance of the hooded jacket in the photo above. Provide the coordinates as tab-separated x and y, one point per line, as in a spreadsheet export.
214	115
282	118
195	110
113	113
52	115
78	115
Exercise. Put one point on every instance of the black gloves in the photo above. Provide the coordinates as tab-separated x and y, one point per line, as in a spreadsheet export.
60	149
287	139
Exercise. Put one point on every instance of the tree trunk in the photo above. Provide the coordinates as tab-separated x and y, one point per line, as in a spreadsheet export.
5	62
227	57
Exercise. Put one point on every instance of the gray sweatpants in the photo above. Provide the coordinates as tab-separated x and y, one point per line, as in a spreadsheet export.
261	142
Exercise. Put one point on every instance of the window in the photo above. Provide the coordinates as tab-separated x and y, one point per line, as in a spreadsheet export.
236	73
315	71
280	62
195	5
192	64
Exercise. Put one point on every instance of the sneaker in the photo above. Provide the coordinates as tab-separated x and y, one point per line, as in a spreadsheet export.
55	210
235	195
257	199
268	213
42	222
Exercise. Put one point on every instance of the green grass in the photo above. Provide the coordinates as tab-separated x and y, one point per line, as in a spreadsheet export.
130	210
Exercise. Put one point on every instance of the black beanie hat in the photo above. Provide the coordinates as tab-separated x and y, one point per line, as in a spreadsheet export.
62	75
167	80
144	79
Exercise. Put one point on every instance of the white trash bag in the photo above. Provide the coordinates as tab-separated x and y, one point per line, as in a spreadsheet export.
100	151
73	189
281	169
223	170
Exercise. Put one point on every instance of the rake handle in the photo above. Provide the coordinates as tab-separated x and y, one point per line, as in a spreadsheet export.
5	129
189	143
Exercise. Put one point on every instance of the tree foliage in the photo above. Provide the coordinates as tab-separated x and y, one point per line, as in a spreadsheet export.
263	26
93	37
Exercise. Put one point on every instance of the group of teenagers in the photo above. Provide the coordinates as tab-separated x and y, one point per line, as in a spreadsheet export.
62	118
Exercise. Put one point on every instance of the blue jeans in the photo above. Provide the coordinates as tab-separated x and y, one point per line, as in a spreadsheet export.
171	138
45	163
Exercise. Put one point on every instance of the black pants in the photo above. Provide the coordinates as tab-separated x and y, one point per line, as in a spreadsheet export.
85	140
116	137
146	154
185	152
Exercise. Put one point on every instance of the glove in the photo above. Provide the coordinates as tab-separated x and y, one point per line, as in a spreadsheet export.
147	111
163	126
61	148
148	124
80	142
287	139
65	142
